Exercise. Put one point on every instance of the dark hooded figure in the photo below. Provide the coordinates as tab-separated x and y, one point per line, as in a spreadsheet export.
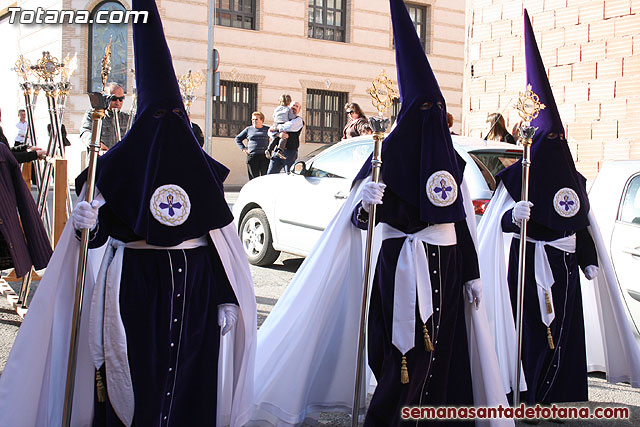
169	322
554	357
553	348
427	273
426	265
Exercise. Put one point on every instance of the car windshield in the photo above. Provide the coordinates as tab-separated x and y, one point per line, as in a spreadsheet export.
342	162
317	151
495	161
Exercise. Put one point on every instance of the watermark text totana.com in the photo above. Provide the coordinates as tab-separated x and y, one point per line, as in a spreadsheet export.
19	15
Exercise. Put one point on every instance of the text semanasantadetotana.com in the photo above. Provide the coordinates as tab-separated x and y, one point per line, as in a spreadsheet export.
521	412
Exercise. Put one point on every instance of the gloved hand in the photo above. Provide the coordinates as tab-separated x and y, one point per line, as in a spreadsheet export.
473	292
372	193
85	215
522	210
227	316
591	271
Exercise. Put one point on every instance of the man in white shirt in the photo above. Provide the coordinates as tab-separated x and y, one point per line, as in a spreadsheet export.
22	126
291	131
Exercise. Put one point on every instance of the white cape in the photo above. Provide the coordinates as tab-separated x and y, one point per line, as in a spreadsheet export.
615	351
33	382
306	355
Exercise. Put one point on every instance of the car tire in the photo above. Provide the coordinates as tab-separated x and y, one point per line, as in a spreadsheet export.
257	242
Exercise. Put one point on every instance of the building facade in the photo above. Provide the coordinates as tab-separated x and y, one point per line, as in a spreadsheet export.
591	49
323	53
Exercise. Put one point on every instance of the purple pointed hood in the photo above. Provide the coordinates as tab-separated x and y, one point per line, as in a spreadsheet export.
419	163
158	180
556	188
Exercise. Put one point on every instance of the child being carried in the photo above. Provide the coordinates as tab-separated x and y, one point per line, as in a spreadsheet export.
281	115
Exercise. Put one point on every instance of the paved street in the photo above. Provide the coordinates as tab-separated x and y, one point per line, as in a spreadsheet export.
270	283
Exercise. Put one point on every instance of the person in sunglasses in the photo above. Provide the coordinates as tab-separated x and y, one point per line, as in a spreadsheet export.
108	137
357	121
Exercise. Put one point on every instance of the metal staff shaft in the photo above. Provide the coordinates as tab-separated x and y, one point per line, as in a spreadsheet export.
526	164
376	164
30	107
47	171
132	110
116	120
94	147
40	180
60	145
61	108
44	213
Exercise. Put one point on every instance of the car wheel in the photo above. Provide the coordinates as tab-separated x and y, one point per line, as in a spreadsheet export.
256	238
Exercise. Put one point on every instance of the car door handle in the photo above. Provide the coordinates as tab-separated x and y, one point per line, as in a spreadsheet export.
635	295
341	195
634	252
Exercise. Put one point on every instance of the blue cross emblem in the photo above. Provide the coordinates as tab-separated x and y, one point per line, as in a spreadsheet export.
443	189
170	205
567	203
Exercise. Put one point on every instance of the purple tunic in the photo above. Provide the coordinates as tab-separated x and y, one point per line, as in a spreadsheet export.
169	307
558	375
440	377
23	240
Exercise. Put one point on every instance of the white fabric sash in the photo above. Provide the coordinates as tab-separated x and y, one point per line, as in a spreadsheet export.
107	338
412	277
543	273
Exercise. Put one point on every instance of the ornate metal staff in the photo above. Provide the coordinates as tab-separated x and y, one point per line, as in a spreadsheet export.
99	103
528	108
132	110
382	94
45	69
106	70
64	87
23	70
189	83
116	120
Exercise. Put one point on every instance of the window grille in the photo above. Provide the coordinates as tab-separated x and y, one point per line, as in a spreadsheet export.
233	107
325	116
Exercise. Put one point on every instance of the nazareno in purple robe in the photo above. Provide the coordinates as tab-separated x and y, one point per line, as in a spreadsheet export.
437	378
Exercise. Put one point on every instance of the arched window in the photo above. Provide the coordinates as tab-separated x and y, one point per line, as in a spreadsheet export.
99	35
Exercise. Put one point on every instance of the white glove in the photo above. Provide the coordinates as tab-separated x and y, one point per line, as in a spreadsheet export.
227	316
372	193
591	271
522	210
473	292
85	215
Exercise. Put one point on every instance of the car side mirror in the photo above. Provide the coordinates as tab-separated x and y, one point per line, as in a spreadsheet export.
299	168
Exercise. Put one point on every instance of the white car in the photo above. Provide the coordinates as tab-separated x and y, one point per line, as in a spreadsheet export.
288	212
615	202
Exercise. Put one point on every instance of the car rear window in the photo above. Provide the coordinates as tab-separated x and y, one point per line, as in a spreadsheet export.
495	161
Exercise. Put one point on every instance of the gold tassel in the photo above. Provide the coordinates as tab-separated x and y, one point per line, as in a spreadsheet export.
428	345
548	301
550	339
100	388
404	372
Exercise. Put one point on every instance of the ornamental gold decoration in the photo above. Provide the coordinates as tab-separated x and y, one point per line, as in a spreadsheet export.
529	105
382	92
70	64
106	63
47	67
189	83
23	68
